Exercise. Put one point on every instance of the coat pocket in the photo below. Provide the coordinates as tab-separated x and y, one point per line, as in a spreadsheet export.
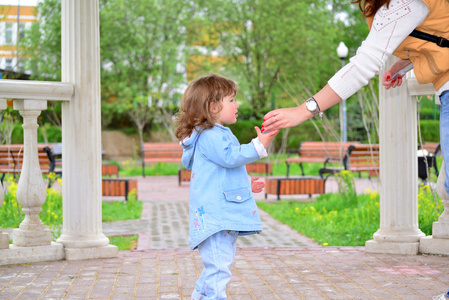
239	195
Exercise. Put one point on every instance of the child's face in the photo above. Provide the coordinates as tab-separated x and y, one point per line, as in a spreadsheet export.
228	113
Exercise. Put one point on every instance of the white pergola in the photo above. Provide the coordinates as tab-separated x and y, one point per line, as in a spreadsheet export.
82	235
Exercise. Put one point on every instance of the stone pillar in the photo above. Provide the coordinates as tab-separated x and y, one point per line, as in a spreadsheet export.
31	190
399	232
82	233
438	242
4	236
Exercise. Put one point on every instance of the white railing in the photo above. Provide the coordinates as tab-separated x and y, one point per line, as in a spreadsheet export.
30	98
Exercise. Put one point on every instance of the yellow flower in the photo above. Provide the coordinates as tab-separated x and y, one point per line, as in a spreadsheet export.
297	209
325	244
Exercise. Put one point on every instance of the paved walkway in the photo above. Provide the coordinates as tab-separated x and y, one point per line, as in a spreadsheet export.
277	264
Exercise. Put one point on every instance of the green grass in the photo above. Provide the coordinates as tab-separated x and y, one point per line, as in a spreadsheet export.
133	168
336	221
124	242
121	210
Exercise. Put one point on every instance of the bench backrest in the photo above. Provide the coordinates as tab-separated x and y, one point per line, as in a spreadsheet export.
363	155
11	157
324	149
162	151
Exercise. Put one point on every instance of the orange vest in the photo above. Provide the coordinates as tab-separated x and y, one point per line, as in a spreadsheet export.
430	62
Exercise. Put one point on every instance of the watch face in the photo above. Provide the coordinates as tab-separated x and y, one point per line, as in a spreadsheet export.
311	105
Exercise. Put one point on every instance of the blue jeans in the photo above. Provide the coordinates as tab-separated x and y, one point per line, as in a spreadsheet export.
444	135
217	253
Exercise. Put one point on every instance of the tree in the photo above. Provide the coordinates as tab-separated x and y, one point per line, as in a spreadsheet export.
264	40
142	50
41	48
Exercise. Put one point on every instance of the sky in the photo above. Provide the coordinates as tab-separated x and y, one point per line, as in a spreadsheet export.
17	2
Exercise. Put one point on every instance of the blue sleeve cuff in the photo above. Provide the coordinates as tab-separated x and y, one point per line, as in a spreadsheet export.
261	151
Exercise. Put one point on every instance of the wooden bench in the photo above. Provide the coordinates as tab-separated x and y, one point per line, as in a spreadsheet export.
160	152
294	186
363	158
11	159
256	167
106	169
118	186
109	170
319	152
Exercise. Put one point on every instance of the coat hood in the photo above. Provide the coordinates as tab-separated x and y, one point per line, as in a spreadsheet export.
189	149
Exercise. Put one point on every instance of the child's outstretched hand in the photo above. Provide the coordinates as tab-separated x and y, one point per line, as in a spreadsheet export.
256	186
267	137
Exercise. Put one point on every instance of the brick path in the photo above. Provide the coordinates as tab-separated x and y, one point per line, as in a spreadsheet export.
283	265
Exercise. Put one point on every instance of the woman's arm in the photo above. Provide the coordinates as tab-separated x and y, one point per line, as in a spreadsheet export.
390	27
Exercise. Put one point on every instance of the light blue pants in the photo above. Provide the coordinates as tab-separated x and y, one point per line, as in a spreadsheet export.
444	135
217	253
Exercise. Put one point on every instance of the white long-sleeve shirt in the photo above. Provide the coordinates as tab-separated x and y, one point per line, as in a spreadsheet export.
390	27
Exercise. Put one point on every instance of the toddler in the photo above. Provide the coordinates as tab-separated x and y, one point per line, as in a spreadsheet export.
222	205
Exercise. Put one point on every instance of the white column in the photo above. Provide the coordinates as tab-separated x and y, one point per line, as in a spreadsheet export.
82	233
399	232
4	236
31	190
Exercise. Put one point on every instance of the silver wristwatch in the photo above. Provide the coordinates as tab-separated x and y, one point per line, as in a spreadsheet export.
313	107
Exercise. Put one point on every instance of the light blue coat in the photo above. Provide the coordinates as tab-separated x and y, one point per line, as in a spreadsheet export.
220	190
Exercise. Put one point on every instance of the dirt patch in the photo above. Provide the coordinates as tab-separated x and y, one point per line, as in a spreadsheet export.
119	146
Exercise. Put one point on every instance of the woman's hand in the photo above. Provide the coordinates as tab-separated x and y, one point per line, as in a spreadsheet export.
387	79
388	82
256	186
281	118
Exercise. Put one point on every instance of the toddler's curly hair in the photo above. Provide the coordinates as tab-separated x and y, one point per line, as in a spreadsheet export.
194	111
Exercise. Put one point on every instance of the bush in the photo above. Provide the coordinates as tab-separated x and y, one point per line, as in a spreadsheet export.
430	130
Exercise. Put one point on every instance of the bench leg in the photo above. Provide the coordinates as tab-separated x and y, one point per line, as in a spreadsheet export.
126	190
302	169
278	190
288	169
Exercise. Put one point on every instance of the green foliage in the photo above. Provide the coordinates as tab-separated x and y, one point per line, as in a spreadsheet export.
263	41
430	130
49	133
346	186
429	113
42	43
334	221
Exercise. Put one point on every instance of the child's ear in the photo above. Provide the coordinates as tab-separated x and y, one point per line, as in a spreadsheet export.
213	107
